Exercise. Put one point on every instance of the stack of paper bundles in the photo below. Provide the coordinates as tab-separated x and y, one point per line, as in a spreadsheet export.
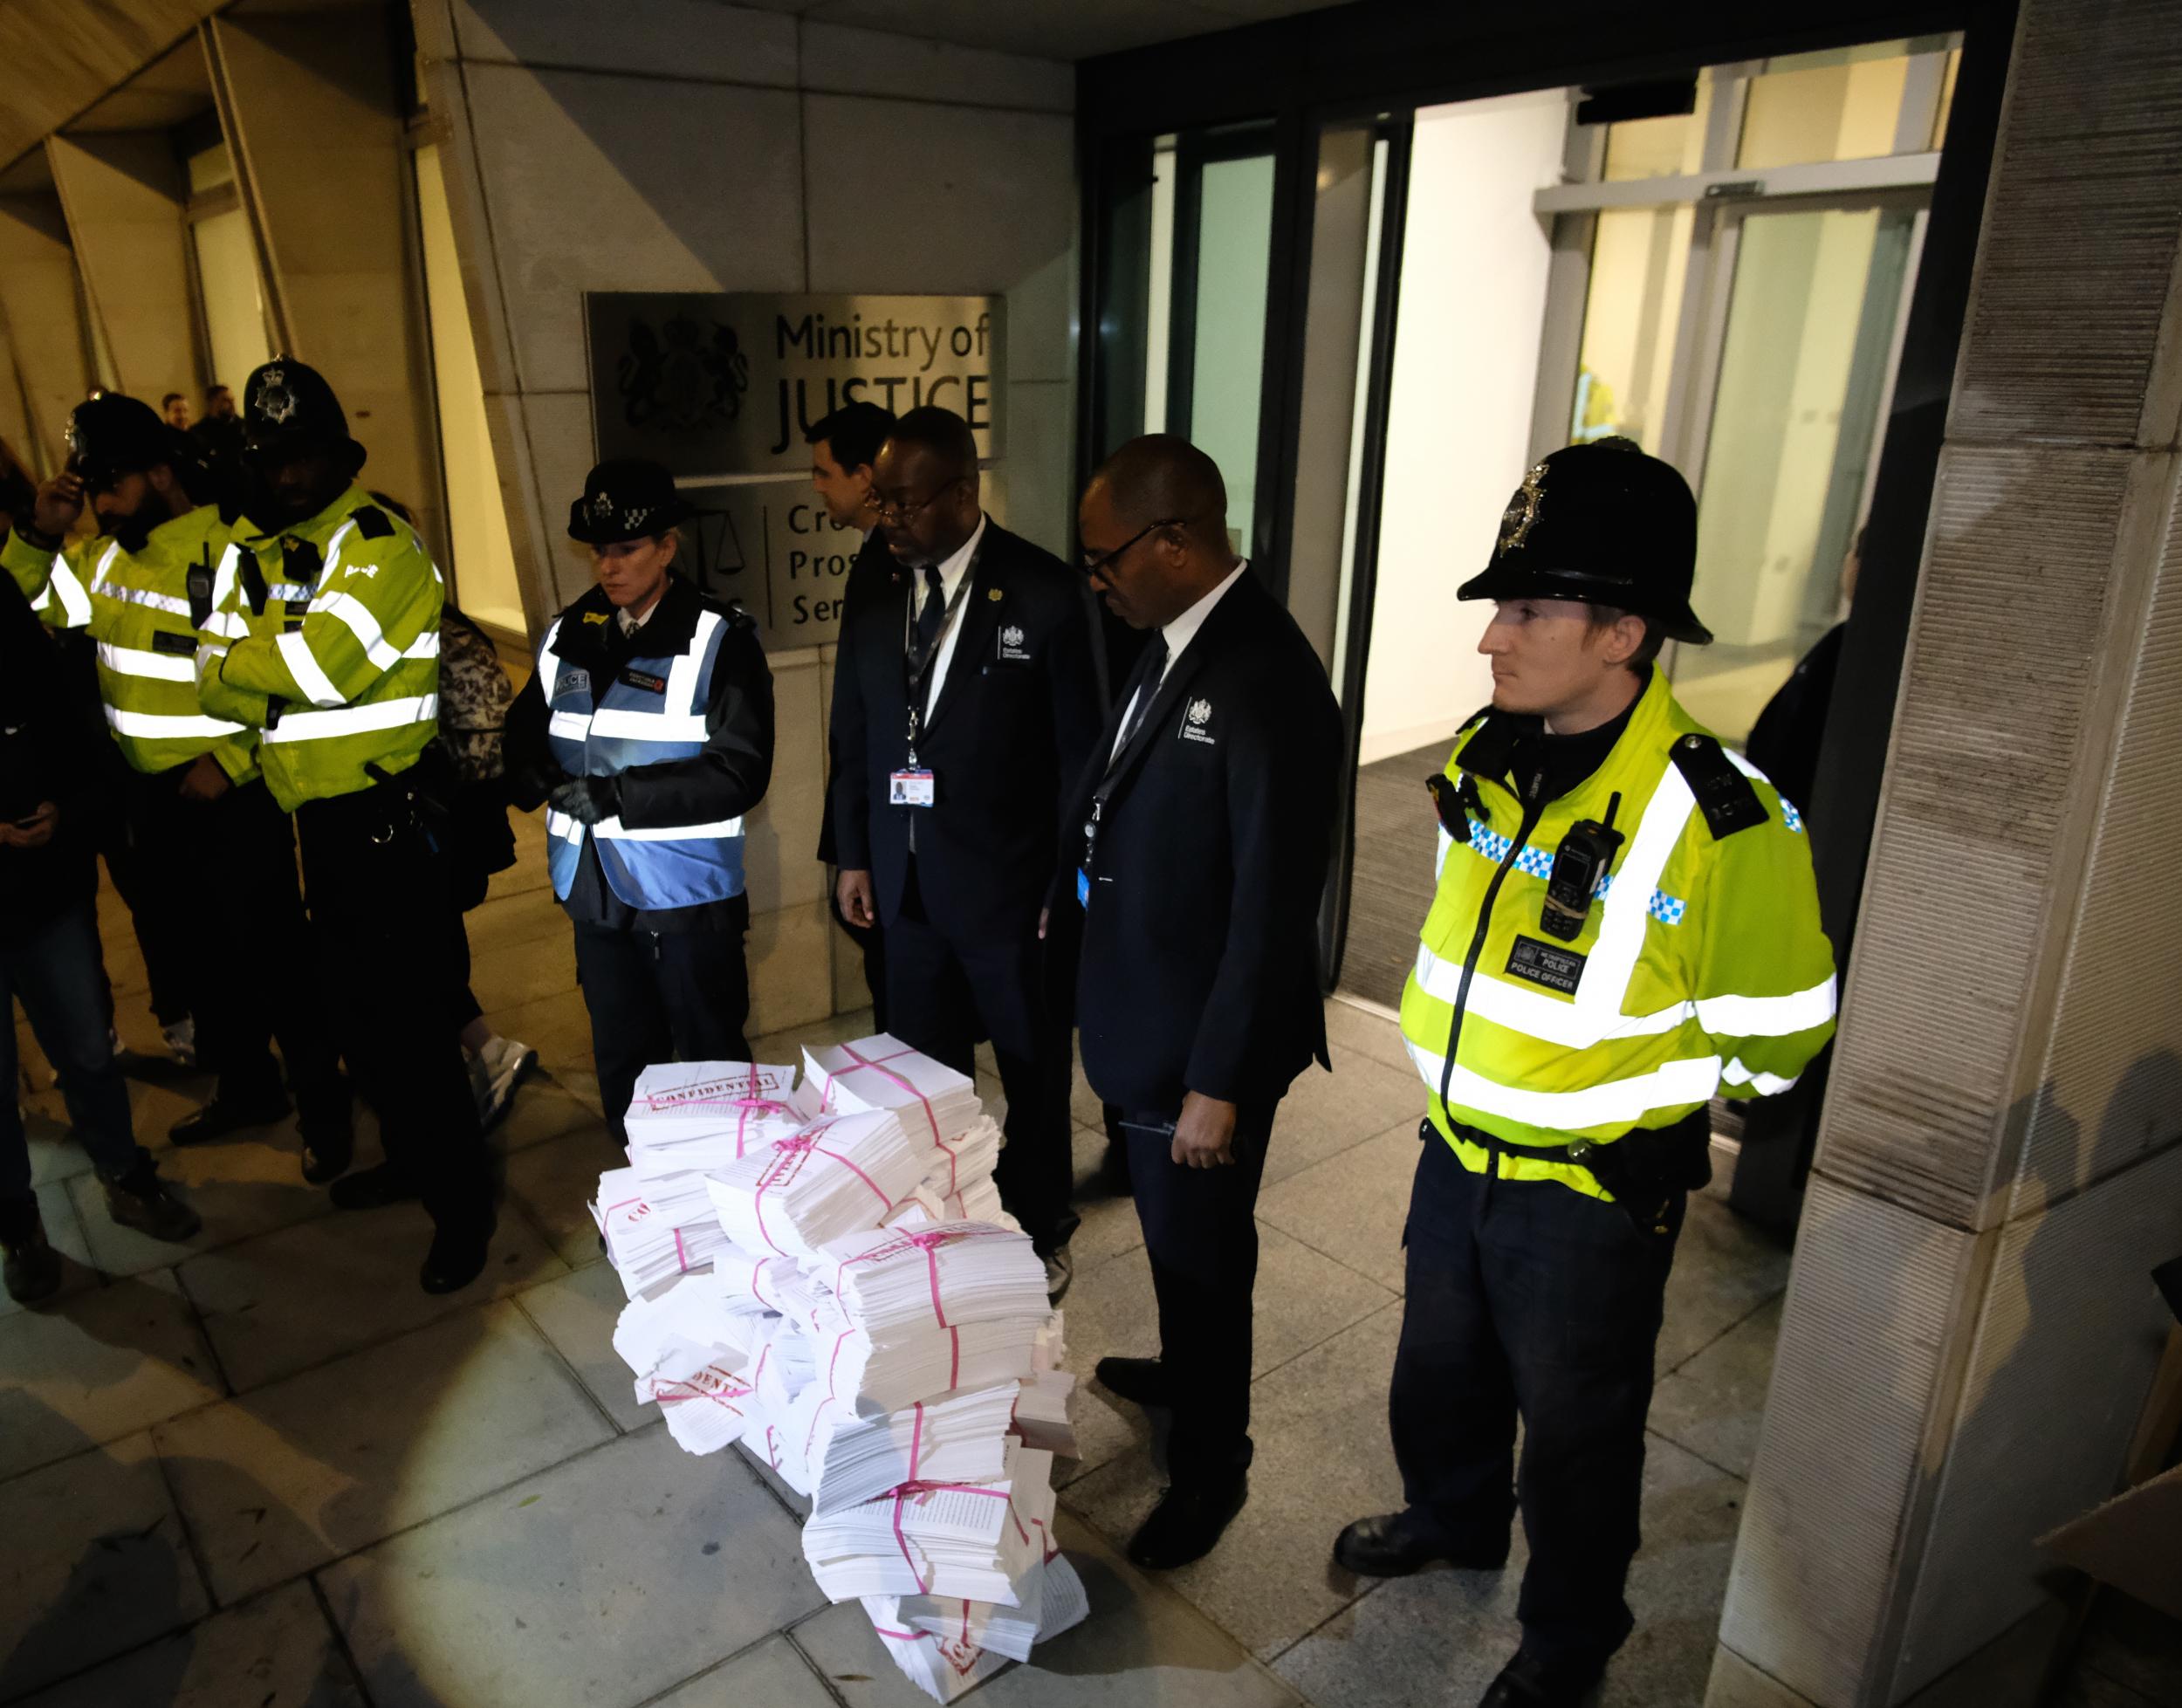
655	1227
747	1284
704	1394
960	1179
868	1377
691	1117
1041	1414
839	1175
936	1103
962	1438
925	1538
1051	1600
685	1311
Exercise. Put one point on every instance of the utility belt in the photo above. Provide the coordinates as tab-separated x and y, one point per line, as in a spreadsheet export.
414	800
1644	1170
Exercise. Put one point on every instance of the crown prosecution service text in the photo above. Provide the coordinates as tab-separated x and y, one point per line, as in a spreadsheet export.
810	338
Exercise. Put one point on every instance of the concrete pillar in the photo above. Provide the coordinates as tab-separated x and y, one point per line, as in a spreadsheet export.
1971	1329
39	301
123	194
310	103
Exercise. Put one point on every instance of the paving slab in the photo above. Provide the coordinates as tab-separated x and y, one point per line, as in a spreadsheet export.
577	1313
1353	1029
1325	1114
305	1470
543	1108
605	1580
558	1027
554	1182
1714	1403
243	1186
1142	1647
95	1367
1323	1457
276	1652
1352	1206
773	1675
287	1300
534	966
95	1563
1724	1268
2135	1645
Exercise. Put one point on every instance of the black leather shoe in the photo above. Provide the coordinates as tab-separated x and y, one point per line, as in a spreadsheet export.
1187	1523
1393	1545
373	1188
457	1257
224	1116
1531	1682
1141	1381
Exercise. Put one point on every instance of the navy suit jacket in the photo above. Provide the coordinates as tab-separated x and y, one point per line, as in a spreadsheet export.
1200	965
1010	729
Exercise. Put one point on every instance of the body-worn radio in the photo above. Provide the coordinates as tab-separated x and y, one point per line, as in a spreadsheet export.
1586	854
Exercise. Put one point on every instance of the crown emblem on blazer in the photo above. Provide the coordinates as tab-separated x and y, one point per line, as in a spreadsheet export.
1012	636
1521	514
275	401
1200	712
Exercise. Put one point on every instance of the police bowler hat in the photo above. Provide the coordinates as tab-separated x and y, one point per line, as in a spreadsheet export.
630	497
110	436
1604	523
288	407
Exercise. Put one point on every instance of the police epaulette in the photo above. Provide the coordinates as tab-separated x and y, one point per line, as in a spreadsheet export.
1724	794
1475	718
372	522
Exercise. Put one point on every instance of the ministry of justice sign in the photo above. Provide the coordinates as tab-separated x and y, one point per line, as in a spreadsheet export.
714	383
771	547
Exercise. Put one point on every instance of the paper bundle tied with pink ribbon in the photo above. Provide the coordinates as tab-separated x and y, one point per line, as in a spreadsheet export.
655	1228
705	1395
899	1281
839	1175
924	1537
698	1115
869	1376
960	1438
936	1103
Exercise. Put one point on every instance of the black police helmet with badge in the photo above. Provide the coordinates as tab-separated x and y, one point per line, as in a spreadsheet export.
1605	522
110	436
630	497
290	410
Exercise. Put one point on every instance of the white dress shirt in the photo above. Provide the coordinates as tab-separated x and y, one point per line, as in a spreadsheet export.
1178	635
950	574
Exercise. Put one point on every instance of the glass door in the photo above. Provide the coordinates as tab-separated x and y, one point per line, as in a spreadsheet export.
1800	339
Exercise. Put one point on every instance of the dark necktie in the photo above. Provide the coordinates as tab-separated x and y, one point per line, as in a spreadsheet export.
928	621
1148	677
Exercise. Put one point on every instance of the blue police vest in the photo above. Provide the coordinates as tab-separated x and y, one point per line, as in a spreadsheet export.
630	724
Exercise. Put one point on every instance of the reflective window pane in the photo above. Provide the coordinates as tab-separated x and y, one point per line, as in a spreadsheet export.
1842	105
1639	258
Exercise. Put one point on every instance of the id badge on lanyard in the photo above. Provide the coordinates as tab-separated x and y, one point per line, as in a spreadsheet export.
915	784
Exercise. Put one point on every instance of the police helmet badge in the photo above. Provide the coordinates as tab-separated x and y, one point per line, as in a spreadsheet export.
1521	514
73	433
600	509
275	401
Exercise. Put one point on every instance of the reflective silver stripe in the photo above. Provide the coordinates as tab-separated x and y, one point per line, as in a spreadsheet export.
568	725
649	726
311	677
354	720
1767	1017
560	824
681	675
1613	1102
139	662
148	600
1534	1013
425	646
154	726
106	564
1767	1085
610	830
223	577
357	617
1628	906
333	552
1439	859
62	585
227	625
289	592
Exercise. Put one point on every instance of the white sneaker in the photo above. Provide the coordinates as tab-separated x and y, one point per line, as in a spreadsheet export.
480	1086
182	1040
115	1044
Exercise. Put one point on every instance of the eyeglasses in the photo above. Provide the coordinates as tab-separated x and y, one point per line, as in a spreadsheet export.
1106	560
894	514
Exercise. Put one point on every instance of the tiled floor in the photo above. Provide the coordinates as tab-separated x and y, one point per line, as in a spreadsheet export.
265	1469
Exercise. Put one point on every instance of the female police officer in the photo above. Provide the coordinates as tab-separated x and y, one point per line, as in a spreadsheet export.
648	731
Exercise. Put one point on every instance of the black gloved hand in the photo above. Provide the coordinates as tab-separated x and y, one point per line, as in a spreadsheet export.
588	800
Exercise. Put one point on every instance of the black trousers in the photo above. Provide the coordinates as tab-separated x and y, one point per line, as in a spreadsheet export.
140	829
220	866
660	996
941	997
382	915
871	943
1547	1307
1201	1234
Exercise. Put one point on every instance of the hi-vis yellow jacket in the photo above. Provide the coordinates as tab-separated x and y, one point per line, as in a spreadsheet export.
136	605
1701	967
325	637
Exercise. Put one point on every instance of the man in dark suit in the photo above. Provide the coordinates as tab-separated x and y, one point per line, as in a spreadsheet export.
965	700
844	446
1203	834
